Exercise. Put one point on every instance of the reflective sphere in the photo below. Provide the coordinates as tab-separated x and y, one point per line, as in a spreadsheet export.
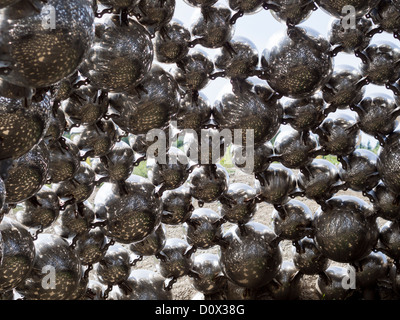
212	29
238	203
247	110
260	161
39	57
91	246
145	285
151	245
361	172
389	239
22	127
176	264
287	286
309	260
388	163
350	39
291	11
140	112
304	114
125	65
276	184
297	64
377	115
27	175
251	259
294	148
40	210
202	229
346	230
177	206
292	221
79	188
132	210
240	65
386	203
52	253
338	134
194	70
17	254
171	42
75	220
331	288
371	269
210	277
381	67
347	88
207	183
115	266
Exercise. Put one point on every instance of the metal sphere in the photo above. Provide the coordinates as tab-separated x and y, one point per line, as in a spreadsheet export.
54	257
171	42
139	112
115	266
124	66
75	220
347	88
330	286
238	204
261	161
27	174
79	188
240	65
338	134
91	246
22	128
17	254
309	260
304	114
152	244
212	29
297	63
291	12
210	278
176	264
386	203
202	229
41	210
207	183
346	229
177	206
292	221
251	259
64	161
37	56
276	184
132	209
381	67
247	110
295	149
388	163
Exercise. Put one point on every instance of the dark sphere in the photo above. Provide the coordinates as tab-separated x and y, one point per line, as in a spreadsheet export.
346	230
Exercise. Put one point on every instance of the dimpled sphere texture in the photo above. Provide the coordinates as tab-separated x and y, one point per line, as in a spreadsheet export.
199	149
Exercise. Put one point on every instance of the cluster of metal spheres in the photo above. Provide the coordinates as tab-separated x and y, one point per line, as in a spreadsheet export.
92	71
